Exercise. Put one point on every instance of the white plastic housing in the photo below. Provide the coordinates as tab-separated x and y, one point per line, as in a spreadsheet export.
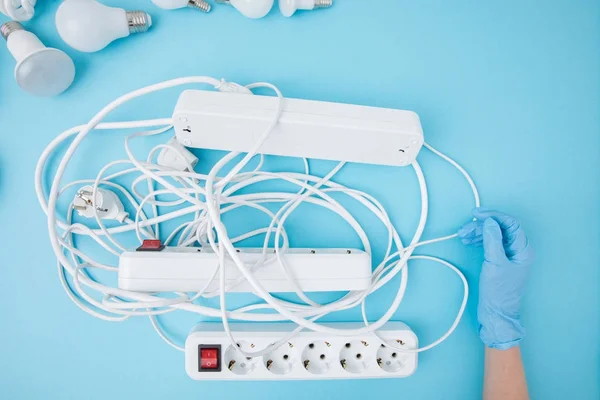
40	70
180	269
312	129
180	159
329	357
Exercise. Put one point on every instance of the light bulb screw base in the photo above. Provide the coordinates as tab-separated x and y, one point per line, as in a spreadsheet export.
199	5
323	3
9	27
138	21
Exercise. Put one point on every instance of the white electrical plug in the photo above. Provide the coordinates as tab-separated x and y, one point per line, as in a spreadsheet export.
232	87
107	204
180	159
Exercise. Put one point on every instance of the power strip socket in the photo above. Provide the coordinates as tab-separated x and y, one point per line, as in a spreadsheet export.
306	128
308	355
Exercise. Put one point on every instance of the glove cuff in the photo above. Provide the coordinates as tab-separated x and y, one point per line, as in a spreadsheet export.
501	333
504	346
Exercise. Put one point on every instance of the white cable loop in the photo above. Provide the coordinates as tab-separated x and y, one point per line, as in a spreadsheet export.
203	199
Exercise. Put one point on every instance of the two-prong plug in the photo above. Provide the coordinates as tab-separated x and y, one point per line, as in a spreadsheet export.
232	87
107	204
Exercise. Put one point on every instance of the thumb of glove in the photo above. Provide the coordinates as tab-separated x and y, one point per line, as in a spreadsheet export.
493	248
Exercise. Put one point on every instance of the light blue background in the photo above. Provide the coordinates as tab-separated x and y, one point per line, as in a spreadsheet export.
510	89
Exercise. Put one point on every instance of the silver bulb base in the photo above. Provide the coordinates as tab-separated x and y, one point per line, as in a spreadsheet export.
323	3
9	27
138	21
199	5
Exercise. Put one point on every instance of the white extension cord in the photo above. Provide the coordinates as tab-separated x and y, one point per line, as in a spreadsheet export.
308	355
205	199
19	10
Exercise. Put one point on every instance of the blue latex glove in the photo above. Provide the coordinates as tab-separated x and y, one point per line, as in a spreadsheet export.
507	260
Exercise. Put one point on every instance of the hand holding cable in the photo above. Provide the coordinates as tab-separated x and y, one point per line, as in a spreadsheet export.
507	261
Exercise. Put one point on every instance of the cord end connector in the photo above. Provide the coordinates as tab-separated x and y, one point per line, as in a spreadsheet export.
176	156
232	87
107	204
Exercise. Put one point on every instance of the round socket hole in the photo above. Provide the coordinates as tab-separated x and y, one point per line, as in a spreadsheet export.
317	357
355	356
390	360
281	360
238	363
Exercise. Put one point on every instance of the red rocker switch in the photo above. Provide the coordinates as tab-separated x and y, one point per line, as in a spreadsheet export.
151	245
209	358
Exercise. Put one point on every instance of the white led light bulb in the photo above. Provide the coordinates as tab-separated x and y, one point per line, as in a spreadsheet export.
289	7
89	26
19	10
40	70
250	8
175	4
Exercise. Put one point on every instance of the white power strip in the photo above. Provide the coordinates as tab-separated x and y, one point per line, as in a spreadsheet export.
308	355
306	128
185	269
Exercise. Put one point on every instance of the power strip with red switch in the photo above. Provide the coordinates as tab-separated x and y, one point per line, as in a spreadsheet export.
308	355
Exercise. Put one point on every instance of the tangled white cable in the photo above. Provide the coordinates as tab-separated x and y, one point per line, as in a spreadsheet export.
205	199
19	10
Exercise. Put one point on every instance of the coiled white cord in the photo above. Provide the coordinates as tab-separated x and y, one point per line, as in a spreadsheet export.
19	10
204	199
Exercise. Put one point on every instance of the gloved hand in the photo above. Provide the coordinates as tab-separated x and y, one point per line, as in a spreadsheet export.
507	260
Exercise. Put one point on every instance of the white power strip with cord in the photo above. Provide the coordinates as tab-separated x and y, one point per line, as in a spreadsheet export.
307	355
306	128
